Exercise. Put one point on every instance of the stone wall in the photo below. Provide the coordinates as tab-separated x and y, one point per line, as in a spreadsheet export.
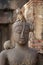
12	4
38	18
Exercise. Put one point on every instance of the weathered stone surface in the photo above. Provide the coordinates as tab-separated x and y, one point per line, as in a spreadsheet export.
5	16
12	4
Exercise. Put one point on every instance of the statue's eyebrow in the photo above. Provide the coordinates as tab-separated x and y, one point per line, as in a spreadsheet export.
17	26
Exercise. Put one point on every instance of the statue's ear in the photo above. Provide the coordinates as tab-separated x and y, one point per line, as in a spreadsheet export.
31	27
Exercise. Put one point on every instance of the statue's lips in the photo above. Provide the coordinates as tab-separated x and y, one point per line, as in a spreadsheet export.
22	40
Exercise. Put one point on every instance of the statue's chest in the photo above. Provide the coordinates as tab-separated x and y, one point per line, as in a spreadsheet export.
22	60
28	60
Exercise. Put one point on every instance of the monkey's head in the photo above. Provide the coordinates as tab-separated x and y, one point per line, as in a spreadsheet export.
7	45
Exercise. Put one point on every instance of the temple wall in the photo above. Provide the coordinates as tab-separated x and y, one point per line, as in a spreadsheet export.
38	18
12	4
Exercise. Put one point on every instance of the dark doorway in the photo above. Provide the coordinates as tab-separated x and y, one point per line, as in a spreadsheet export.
4	34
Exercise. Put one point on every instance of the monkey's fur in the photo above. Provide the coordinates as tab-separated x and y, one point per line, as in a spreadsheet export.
7	45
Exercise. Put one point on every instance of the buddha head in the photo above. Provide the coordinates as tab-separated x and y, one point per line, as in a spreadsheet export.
20	30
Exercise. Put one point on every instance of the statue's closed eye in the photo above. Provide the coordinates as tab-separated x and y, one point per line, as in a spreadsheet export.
18	31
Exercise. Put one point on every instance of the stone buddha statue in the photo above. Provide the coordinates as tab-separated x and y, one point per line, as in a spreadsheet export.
21	54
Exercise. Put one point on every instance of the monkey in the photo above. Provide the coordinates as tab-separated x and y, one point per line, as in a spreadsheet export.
7	45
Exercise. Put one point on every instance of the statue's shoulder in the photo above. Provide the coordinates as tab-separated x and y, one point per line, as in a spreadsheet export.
10	51
33	51
3	53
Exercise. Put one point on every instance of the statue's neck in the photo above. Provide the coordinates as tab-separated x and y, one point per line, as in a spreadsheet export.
18	46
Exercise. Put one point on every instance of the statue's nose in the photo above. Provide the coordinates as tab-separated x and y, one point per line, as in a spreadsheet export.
22	35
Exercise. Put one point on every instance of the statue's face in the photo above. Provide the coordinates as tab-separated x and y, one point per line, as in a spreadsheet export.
20	32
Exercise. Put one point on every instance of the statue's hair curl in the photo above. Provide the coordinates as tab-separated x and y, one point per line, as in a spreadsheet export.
20	15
